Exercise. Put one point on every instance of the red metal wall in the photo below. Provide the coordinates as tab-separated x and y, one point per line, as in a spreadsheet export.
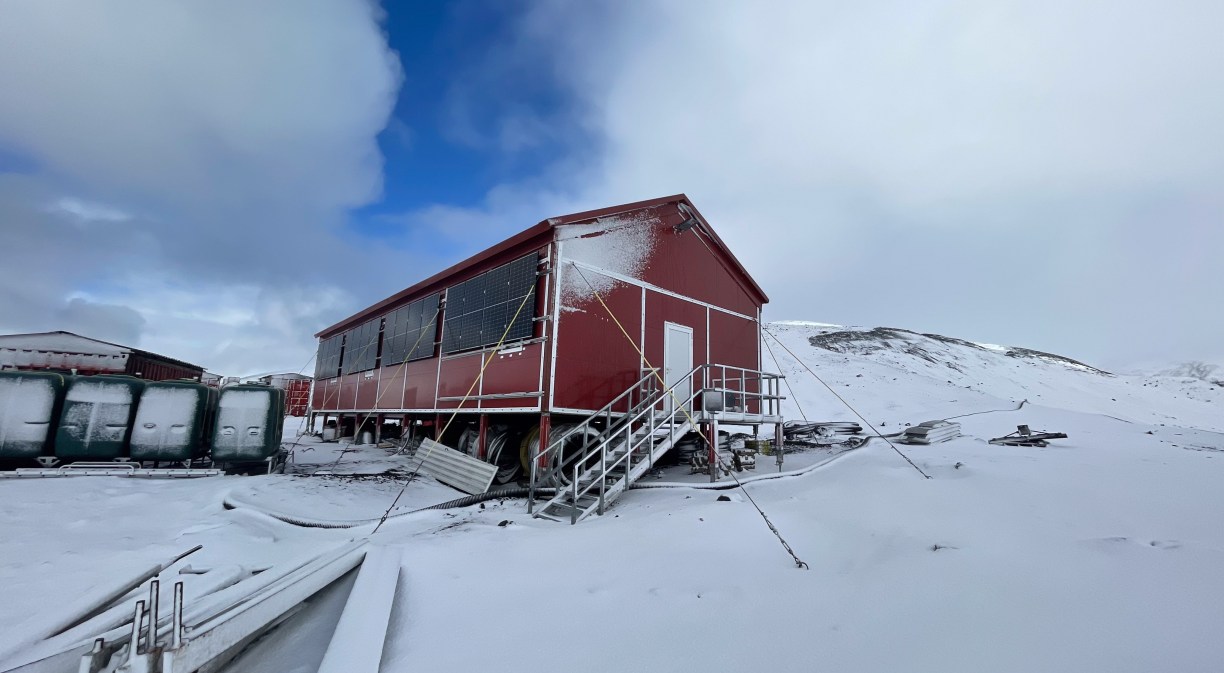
595	362
690	264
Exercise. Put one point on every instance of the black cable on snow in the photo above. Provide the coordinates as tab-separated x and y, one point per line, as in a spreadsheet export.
990	411
230	502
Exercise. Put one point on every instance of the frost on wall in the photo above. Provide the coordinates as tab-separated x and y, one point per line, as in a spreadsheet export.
26	406
165	421
620	245
242	423
96	412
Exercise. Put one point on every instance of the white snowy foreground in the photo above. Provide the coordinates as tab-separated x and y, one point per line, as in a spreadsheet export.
1101	552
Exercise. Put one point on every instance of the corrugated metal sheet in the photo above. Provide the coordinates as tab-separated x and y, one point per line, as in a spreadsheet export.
454	468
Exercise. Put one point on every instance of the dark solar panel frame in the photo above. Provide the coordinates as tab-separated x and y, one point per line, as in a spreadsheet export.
327	363
404	331
361	352
477	310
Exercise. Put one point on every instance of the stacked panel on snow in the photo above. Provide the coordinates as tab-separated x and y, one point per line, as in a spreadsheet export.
932	432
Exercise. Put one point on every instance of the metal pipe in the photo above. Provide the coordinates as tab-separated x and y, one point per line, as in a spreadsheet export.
137	617
176	633
151	636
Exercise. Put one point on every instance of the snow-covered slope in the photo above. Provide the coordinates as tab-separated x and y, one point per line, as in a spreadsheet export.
1210	372
897	376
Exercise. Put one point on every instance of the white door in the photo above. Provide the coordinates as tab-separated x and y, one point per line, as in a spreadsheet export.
677	362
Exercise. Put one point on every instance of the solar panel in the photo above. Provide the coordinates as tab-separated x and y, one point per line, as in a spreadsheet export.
411	327
327	363
361	352
478	310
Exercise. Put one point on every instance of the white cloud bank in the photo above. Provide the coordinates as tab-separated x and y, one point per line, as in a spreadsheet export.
1045	173
215	145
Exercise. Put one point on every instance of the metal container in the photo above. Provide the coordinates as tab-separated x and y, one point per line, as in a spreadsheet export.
30	404
97	418
173	421
249	422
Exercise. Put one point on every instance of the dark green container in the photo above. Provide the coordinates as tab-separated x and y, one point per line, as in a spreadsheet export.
173	421
30	403
97	417
249	421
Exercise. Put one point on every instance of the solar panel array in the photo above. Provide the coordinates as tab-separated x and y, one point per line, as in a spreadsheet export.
412	327
478	310
327	364
361	347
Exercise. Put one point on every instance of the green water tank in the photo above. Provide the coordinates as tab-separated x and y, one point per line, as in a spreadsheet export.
249	422
173	421
30	403
97	417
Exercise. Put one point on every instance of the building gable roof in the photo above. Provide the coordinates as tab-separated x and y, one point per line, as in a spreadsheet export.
68	342
536	231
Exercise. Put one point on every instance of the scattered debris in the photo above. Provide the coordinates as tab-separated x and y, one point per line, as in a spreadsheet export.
931	432
723	498
1023	436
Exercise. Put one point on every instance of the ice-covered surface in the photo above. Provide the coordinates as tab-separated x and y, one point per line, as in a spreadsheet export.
1100	552
63	342
165	418
61	350
25	414
242	418
96	411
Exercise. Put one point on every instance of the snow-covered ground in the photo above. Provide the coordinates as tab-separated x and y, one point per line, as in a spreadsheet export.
1100	552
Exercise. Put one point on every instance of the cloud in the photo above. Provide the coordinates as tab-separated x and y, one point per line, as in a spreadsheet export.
108	322
86	212
1040	173
221	144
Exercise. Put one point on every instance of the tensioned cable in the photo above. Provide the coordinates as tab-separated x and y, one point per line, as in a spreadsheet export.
446	427
379	397
785	381
843	401
809	369
799	563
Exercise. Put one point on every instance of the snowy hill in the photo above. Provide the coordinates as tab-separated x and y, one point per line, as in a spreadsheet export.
1195	369
899	376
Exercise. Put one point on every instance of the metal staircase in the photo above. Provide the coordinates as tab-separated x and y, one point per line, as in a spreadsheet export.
591	463
591	467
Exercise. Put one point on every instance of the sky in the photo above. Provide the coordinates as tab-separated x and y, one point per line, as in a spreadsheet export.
217	181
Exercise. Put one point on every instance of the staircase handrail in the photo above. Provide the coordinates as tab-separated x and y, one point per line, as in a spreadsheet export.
627	426
646	382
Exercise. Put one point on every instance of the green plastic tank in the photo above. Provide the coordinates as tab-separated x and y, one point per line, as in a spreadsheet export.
30	403
97	417
248	425
173	421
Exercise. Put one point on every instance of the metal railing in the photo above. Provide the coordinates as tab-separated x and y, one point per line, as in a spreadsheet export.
552	458
744	391
654	416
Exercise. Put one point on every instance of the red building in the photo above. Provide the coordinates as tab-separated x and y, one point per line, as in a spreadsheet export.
562	317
